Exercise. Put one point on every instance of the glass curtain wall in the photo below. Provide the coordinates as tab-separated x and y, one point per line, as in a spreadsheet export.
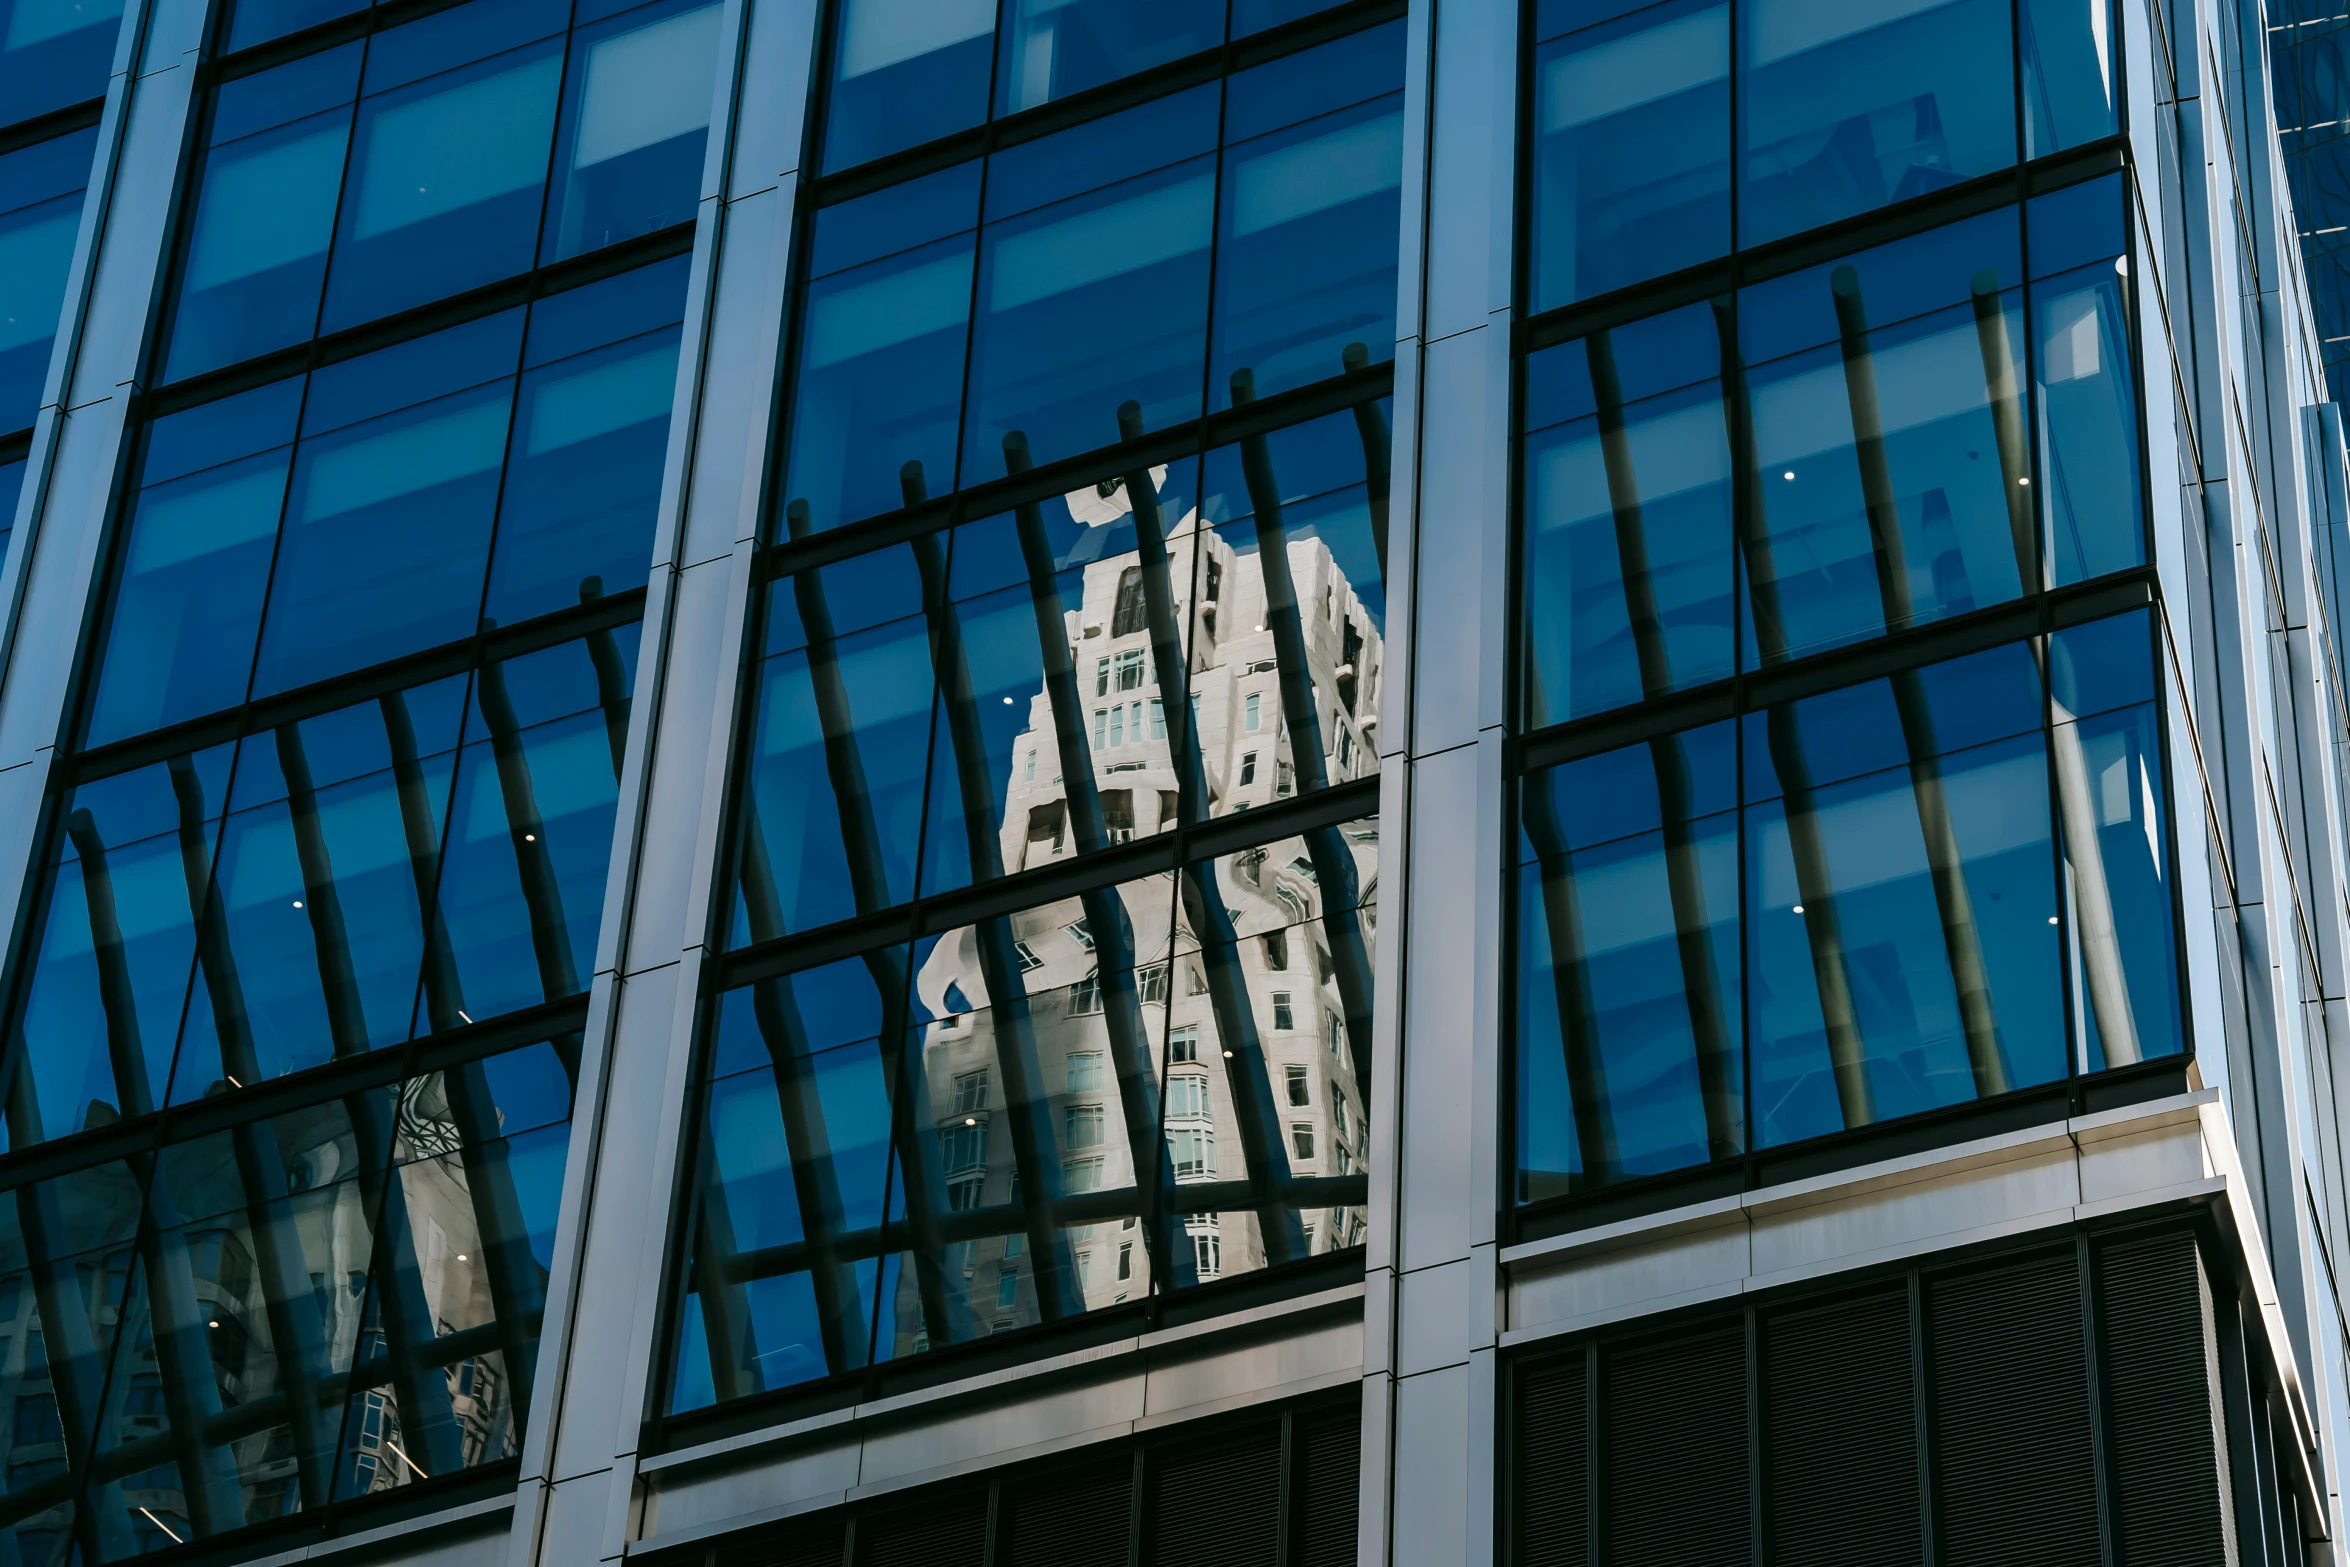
1813	896
297	1010
1022	1019
1841	110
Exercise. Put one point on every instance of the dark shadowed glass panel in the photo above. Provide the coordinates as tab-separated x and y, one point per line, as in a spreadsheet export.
65	1261
1052	48
2114	810
54	53
1628	544
40	212
1844	109
1891	482
1628	1028
637	115
1631	145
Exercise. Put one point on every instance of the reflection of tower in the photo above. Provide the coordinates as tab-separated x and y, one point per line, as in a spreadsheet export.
1307	1114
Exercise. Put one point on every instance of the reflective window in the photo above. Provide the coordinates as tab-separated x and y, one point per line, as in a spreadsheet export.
904	72
54	53
1916	892
40	213
333	1301
404	865
1052	1110
1843	452
1841	110
494	471
1027	687
435	156
1238	236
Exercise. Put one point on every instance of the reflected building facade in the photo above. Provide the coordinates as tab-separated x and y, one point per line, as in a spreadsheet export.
1262	782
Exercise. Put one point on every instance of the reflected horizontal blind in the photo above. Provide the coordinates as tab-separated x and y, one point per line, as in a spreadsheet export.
1673	1436
1218	1506
2154	1327
950	1532
1840	1451
1554	1467
1081	1520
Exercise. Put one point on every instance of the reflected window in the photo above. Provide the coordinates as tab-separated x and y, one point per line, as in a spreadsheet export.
40	214
1927	890
54	53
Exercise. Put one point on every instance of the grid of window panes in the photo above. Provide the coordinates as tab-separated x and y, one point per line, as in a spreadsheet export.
1021	1017
2306	41
339	803
240	1320
1811	896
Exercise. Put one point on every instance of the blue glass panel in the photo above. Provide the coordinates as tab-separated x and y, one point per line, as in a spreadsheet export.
1084	306
54	53
2088	435
880	384
637	115
2114	806
1631	150
1892	487
115	950
1254	16
905	72
895	218
1117	146
258	21
1305	269
833	818
447	181
1844	109
794	1162
40	213
2068	59
1629	562
1052	48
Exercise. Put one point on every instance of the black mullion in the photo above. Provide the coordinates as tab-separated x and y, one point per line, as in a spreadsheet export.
2106	1483
1913	1290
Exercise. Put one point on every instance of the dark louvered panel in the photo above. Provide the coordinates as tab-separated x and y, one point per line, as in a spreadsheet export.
2153	1319
1327	1471
1553	1500
2014	1470
1840	1473
815	1541
1217	1506
1673	1446
945	1531
1079	1520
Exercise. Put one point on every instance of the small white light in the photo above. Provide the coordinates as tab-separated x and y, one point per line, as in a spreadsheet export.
970	1120
461	1257
1007	701
1789	474
297	903
2051	919
1799	908
215	1322
1227	1055
530	837
2026	481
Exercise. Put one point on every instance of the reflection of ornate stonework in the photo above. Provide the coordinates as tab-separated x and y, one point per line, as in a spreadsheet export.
1049	1076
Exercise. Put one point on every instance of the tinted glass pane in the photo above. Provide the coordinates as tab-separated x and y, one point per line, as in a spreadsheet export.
1845	109
54	53
2068	80
40	213
1631	150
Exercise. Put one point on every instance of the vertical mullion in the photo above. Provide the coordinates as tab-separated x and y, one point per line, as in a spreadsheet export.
2100	1447
1595	1526
1759	1548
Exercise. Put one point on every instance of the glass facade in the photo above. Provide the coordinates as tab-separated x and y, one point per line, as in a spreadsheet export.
1064	581
2308	68
1641	113
1821	901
